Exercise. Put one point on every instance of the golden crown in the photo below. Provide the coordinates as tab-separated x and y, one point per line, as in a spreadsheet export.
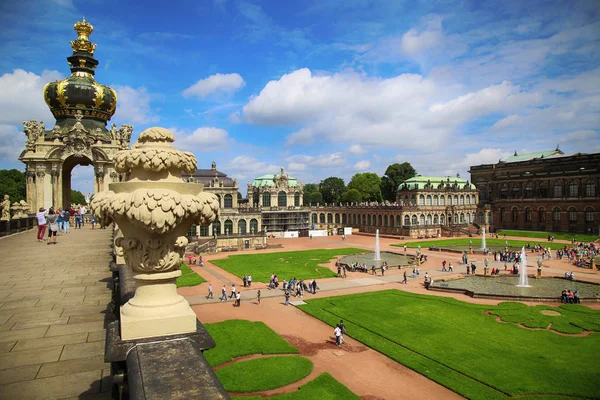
84	30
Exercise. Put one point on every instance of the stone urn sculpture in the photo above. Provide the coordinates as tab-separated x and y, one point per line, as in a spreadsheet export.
154	208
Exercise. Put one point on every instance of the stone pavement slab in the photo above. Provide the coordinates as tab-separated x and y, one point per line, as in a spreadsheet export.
53	311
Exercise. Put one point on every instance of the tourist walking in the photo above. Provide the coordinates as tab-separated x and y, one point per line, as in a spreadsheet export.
287	297
232	291
405	248
41	221
382	270
342	331
404	278
258	296
66	220
249	280
82	211
450	267
245	280
52	226
338	334
210	291
444	266
223	293
238	299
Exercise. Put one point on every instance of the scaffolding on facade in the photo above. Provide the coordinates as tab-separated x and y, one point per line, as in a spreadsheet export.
286	220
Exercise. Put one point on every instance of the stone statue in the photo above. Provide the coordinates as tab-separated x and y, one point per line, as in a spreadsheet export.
124	136
114	132
33	130
5	209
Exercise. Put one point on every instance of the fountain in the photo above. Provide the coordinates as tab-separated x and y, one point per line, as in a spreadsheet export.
377	252
483	239
523	279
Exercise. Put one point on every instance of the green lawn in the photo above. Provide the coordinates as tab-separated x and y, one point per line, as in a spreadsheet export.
263	373
461	347
189	277
236	338
544	235
492	244
288	265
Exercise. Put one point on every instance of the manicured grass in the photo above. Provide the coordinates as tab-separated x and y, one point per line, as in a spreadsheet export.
189	277
492	244
288	265
324	387
236	338
263	373
544	235
461	347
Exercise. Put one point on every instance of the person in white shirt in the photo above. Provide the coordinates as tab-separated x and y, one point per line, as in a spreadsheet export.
82	211
41	221
338	334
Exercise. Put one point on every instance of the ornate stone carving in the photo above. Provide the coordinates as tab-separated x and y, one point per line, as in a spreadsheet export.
33	130
154	209
20	209
40	174
5	208
124	136
78	139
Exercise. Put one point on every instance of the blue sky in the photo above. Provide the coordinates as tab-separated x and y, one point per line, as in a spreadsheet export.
322	88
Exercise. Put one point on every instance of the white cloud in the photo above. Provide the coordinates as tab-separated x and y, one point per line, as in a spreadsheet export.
133	105
303	136
215	84
245	168
356	149
320	161
578	136
202	140
415	42
363	165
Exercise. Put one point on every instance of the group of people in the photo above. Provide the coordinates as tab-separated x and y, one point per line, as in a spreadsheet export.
450	266
192	260
339	331
570	297
59	221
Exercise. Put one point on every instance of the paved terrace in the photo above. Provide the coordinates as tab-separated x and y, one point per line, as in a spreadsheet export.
53	301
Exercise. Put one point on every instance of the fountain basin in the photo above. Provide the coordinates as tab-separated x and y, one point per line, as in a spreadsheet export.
506	288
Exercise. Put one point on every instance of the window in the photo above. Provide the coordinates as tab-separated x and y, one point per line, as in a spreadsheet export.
337	218
385	220
473	217
515	214
428	200
455	200
228	227
330	218
456	218
219	199
527	214
542	190
414	220
503	191
406	220
436	219
573	189
321	218
572	214
541	214
266	197
442	201
216	228
429	219
282	199
468	219
296	199
242	227
481	220
369	219
228	201
364	219
314	218
489	218
461	200
556	214
442	219
557	190
422	220
528	190
379	219
421	200
398	220
435	200
501	214
515	191
254	225
192	231
468	199
462	218
203	230
590	188
589	214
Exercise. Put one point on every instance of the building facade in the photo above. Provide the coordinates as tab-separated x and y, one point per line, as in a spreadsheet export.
545	191
426	206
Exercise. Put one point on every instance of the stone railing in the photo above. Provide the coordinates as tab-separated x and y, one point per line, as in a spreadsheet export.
17	225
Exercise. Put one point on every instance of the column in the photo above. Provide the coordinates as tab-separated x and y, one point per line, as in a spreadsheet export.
30	190
56	181
39	190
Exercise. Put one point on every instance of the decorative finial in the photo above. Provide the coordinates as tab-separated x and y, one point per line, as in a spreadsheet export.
515	153
84	30
557	148
214	166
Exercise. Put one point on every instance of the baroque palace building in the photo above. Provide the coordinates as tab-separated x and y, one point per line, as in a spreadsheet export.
545	191
426	206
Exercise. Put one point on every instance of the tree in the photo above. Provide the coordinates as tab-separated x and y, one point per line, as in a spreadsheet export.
395	174
331	189
309	189
77	197
316	198
13	183
351	196
368	185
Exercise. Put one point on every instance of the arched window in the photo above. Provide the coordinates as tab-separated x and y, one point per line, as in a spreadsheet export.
436	219
557	189
239	197
254	225
296	199
369	219
282	199
429	219
556	214
528	193
573	189
398	220
242	226
455	200
364	220
385	220
336	218
541	214
572	214
468	199
266	199
515	214
481	220
442	219
321	218
542	189
428	200
219	199
515	191
379	219
314	218
442	200
467	218
406	200
216	228
461	200
455	218
422	220
406	220
228	201
527	214
435	200
421	200
330	218
589	214
503	191
462	218
414	220
473	199
228	227
473	217
590	188
489	218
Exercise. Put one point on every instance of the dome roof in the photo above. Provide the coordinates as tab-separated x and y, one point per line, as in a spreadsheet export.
80	91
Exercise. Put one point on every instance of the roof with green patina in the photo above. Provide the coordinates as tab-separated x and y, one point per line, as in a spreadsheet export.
419	182
530	156
269	180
